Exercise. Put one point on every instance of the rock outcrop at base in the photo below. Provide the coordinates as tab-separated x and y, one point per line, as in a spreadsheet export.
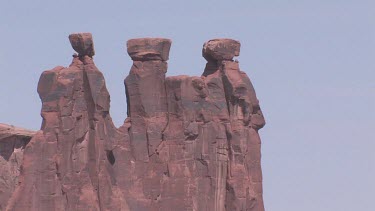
188	143
13	141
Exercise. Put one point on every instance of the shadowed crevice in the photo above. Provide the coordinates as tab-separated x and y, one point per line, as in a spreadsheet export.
111	157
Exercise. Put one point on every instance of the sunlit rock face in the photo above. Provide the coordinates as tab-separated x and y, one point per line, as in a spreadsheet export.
188	143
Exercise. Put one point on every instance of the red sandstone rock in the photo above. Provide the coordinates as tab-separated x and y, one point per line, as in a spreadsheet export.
189	143
221	49
13	141
144	49
68	164
10	131
82	43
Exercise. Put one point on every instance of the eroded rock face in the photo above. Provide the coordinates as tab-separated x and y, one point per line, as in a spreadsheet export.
188	143
70	153
13	141
82	43
144	49
221	49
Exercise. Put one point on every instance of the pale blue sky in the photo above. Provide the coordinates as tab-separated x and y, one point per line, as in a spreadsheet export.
312	64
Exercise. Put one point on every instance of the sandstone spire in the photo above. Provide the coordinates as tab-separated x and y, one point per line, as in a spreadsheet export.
65	164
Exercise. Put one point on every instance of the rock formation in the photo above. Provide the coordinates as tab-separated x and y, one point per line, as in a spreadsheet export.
188	143
13	141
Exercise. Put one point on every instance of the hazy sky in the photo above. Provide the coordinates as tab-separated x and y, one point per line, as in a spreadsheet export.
312	64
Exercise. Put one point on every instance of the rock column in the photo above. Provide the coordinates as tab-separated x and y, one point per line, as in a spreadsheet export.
146	95
68	163
244	179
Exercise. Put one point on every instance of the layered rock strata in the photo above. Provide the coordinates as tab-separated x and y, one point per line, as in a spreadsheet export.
188	143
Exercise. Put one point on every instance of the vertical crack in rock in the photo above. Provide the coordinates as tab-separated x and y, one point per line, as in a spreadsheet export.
93	153
167	116
188	143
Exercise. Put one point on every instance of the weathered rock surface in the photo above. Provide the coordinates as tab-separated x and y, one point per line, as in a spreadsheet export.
82	43
144	49
188	143
12	144
221	49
